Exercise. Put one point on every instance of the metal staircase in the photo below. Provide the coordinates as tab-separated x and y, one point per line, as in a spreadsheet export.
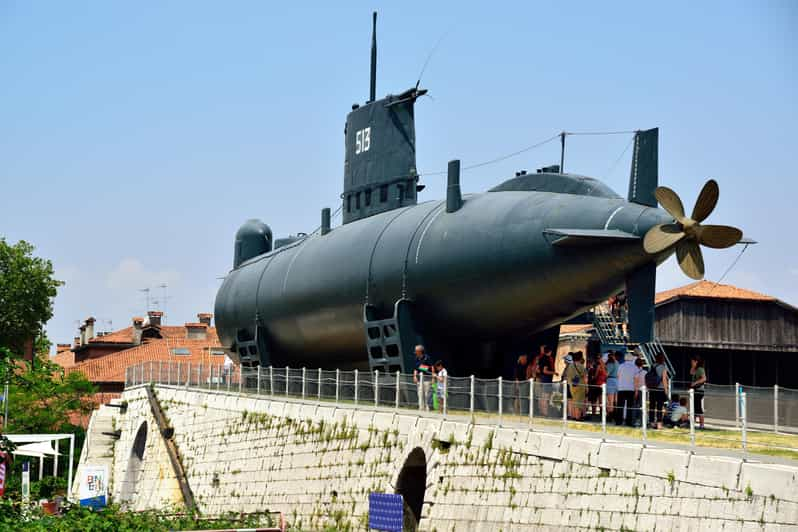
610	333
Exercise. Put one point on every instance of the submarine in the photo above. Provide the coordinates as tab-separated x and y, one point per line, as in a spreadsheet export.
475	277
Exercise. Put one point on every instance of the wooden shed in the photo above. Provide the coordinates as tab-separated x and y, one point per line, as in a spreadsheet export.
743	336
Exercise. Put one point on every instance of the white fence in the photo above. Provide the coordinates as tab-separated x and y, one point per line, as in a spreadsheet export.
739	410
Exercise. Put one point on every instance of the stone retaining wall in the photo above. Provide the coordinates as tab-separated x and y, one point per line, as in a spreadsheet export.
317	463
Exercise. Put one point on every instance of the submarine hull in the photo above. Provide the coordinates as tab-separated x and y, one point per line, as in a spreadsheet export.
486	272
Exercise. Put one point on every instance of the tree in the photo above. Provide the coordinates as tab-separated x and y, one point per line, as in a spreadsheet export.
42	396
27	289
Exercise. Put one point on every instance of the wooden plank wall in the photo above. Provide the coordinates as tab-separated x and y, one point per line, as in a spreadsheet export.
715	323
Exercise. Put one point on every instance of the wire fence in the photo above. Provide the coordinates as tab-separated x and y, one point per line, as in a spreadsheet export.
736	417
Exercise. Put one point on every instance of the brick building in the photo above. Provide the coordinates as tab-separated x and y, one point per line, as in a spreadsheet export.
104	357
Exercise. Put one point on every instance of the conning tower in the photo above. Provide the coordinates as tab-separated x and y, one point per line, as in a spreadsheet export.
380	162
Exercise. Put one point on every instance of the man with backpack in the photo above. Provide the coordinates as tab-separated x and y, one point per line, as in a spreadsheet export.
657	384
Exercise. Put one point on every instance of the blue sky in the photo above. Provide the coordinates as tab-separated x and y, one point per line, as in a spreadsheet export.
136	137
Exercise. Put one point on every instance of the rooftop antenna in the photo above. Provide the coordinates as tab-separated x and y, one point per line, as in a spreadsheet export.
147	292
373	91
165	298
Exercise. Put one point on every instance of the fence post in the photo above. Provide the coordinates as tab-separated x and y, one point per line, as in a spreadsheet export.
304	379
271	380
604	409
287	377
240	377
737	404
644	413
257	392
376	387
355	386
169	374
420	391
160	371
776	408
471	398
151	363
398	383
531	400
445	397
337	383
564	404
744	416
500	401
188	375
691	396
318	386
179	373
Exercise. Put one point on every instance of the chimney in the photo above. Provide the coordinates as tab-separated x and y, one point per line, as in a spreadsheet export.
138	324
205	318
90	328
60	348
196	331
77	341
83	334
155	317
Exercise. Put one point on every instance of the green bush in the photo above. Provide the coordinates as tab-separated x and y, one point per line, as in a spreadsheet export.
16	517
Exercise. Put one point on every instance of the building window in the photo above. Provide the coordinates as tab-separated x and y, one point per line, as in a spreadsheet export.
383	193
368	197
217	352
182	351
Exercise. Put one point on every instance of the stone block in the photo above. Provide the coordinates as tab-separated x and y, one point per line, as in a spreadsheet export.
548	445
505	438
308	411
619	456
580	450
452	429
716	471
664	463
780	481
384	421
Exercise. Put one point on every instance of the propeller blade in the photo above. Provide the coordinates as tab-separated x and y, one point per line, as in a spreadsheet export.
719	236
661	237
671	202
706	201
690	259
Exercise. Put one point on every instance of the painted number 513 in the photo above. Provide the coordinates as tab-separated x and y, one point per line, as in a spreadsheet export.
362	140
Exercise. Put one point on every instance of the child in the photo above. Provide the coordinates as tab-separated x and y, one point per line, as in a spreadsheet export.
441	375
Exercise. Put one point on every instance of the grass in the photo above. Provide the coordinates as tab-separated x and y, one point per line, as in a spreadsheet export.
759	442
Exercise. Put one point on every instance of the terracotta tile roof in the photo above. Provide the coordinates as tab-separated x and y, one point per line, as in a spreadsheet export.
125	336
122	336
708	289
111	367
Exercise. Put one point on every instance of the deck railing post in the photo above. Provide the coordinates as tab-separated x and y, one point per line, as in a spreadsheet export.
355	386
531	400
564	404
644	413
337	384
258	385
500	401
604	409
471	398
420	392
398	381
737	404
287	376
318	386
445	397
776	408
240	377
188	375
691	401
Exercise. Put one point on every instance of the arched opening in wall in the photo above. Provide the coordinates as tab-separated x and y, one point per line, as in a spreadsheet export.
135	464
412	483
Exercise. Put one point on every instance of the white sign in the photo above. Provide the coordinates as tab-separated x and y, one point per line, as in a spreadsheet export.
25	481
93	490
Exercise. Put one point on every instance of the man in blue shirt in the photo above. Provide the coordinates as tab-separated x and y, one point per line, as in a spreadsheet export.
422	376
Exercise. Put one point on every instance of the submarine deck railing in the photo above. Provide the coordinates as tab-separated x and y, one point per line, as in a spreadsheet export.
752	419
